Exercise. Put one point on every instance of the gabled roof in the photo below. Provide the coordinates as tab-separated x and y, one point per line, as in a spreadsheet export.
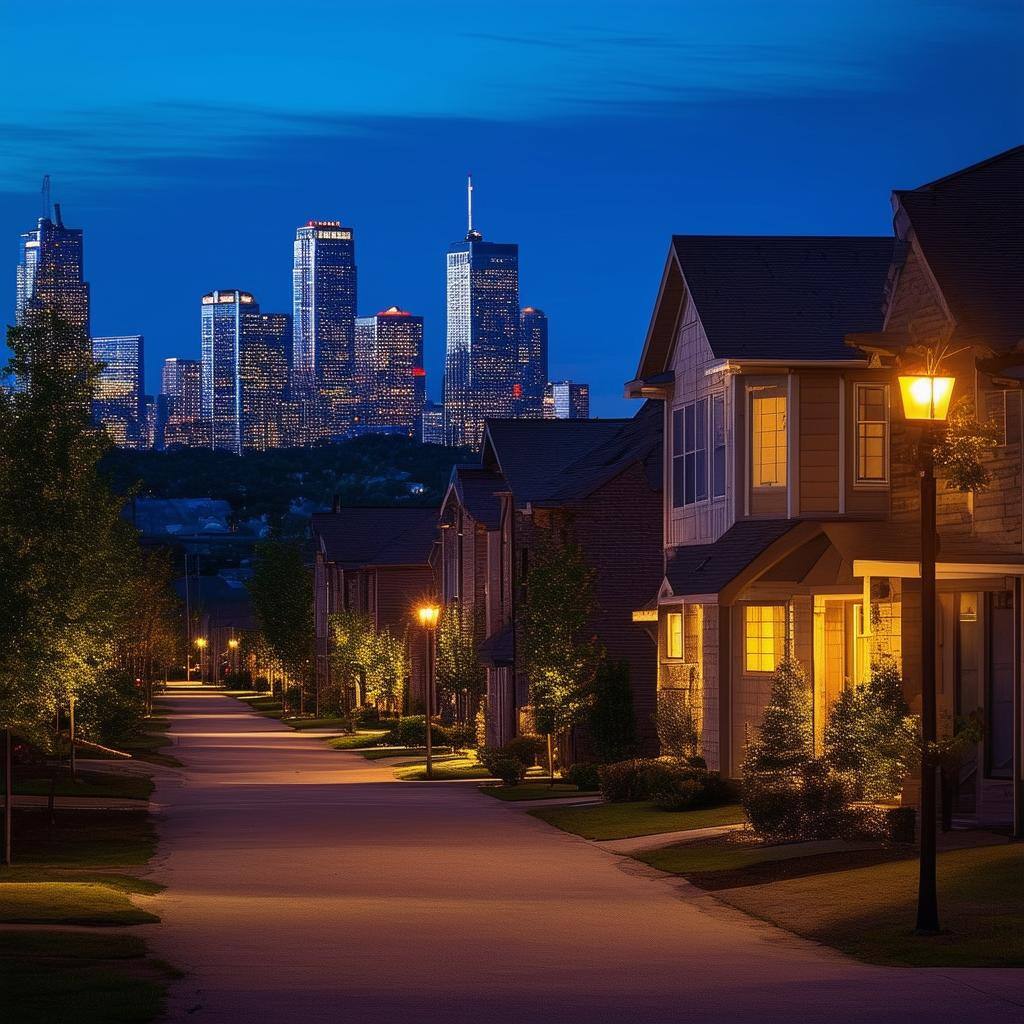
970	228
532	455
476	488
356	537
770	297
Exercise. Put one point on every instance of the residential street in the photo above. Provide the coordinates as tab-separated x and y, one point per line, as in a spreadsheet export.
305	885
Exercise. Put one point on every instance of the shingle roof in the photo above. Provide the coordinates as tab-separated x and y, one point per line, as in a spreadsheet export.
785	297
377	536
533	454
707	568
970	226
476	487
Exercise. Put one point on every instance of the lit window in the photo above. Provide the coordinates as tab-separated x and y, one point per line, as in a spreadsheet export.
674	635
764	637
768	414
872	403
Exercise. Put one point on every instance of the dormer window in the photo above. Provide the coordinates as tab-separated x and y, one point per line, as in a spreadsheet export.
768	437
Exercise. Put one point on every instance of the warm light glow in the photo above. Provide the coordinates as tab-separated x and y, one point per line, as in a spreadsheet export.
232	643
200	642
926	397
428	615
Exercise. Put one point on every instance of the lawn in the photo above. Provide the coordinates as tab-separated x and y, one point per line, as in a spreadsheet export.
536	791
452	768
626	820
83	838
70	901
119	785
341	724
868	912
149	741
356	741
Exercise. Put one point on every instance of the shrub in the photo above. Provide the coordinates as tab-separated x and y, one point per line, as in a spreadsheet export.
261	684
642	777
874	822
509	769
462	736
112	711
366	714
824	796
611	729
679	794
676	723
688	787
529	749
583	776
772	805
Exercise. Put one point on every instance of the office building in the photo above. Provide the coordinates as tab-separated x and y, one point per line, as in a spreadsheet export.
324	315
118	403
532	364
432	431
263	372
483	329
179	405
566	400
390	377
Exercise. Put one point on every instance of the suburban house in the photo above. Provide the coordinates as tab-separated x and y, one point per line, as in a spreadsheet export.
597	482
791	505
376	561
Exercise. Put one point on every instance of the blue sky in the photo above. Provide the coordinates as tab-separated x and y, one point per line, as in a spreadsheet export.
190	139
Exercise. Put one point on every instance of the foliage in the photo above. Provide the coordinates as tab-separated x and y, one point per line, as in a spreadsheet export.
111	711
377	658
611	728
677	723
689	788
559	653
462	736
411	731
527	747
583	776
639	778
776	757
960	451
460	676
502	766
524	751
871	737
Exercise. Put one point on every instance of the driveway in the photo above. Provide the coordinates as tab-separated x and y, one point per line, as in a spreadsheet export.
305	885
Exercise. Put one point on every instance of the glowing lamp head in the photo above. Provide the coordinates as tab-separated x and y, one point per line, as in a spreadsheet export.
428	615
200	642
232	643
926	397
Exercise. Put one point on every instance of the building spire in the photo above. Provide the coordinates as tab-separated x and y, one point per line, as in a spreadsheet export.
469	203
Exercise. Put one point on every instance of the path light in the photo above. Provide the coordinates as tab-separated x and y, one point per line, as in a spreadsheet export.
428	614
926	400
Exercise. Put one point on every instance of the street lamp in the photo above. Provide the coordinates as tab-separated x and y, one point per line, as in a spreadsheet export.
926	399
428	615
233	648
201	644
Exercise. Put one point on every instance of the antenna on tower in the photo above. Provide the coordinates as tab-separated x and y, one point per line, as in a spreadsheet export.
45	194
469	201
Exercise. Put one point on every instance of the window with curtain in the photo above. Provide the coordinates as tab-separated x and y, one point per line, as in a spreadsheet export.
674	635
768	437
764	636
872	406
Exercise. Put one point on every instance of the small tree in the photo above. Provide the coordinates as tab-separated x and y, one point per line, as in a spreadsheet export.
460	675
610	724
778	756
387	671
960	451
559	652
352	648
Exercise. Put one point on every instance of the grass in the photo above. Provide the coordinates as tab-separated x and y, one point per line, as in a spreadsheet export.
151	738
83	837
71	945
868	912
627	820
119	785
356	740
69	902
536	791
454	768
317	723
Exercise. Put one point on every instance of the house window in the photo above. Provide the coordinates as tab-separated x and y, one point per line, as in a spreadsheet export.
674	635
768	437
872	405
690	454
764	636
717	446
1002	410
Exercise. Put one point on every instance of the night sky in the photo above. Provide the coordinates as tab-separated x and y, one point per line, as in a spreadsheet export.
190	139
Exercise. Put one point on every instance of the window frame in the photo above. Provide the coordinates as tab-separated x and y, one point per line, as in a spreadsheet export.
670	617
691	453
779	609
859	482
754	393
717	400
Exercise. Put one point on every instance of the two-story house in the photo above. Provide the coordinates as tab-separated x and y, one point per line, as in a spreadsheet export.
376	561
597	482
791	508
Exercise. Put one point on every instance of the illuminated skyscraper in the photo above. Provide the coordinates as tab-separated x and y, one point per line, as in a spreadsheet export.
528	391
483	330
118	403
263	369
389	372
180	404
324	316
230	321
566	400
50	274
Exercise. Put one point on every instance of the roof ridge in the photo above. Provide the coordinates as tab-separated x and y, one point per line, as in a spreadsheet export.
969	169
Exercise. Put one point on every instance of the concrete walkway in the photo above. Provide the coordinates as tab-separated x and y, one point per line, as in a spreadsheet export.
305	885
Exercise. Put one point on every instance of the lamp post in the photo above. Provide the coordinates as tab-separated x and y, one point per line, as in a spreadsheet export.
233	658
926	400
201	644
428	615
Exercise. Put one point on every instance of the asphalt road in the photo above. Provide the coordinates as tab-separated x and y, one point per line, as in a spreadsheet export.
305	885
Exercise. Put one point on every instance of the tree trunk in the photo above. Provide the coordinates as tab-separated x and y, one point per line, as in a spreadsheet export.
551	760
71	736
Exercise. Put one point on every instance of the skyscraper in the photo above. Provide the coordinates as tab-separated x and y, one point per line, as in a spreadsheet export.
230	321
324	315
433	423
118	403
483	329
528	391
182	415
566	400
50	274
263	372
389	372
